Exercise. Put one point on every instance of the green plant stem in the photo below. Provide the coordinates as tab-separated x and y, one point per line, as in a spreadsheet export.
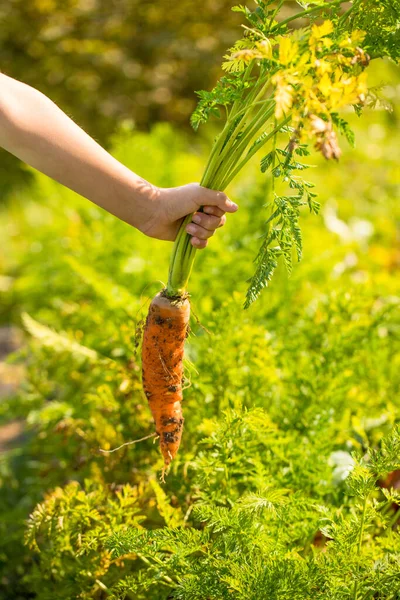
167	579
209	174
253	104
184	253
260	84
209	178
248	132
246	76
102	586
394	519
181	263
221	139
306	12
252	152
216	151
359	544
252	129
348	11
221	142
278	8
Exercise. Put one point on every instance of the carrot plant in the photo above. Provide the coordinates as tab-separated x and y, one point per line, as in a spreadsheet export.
248	550
284	88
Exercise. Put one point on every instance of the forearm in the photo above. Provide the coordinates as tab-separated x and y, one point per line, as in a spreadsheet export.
35	130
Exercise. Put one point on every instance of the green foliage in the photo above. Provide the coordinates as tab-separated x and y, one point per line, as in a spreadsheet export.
279	76
380	20
57	342
262	526
286	484
283	229
78	521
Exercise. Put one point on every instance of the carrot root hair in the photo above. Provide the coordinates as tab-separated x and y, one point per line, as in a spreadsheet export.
128	443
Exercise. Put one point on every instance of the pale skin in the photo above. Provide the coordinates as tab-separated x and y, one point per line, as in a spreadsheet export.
39	133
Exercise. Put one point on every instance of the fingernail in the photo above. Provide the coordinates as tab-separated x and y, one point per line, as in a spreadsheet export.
196	218
233	205
190	229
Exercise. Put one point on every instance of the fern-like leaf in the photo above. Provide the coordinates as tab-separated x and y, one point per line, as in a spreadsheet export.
114	295
57	341
266	261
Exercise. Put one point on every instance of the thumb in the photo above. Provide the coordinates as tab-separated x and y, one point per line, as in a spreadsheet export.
219	199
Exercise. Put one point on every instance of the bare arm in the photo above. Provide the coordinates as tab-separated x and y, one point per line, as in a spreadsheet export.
35	130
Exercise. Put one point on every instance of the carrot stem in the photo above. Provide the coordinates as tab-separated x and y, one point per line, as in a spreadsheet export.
181	262
305	13
245	121
225	163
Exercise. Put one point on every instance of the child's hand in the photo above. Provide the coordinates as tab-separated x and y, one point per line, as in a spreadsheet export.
171	205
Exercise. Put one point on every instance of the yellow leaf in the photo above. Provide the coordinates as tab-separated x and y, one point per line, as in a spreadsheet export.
353	40
357	36
335	98
173	517
325	85
320	31
283	98
307	82
288	50
304	59
265	48
323	66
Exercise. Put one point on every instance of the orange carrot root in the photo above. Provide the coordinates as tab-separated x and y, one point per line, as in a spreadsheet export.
162	368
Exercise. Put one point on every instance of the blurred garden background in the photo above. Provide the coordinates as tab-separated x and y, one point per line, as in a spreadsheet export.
283	393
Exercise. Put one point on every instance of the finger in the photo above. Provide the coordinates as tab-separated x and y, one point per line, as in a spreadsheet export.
223	221
208	221
219	199
213	210
199	232
199	244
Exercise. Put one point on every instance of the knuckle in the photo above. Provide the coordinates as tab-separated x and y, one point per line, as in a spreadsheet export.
201	233
222	198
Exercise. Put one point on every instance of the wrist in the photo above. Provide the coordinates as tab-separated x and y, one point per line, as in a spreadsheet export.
142	199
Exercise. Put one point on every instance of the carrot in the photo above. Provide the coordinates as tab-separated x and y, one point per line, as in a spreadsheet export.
164	337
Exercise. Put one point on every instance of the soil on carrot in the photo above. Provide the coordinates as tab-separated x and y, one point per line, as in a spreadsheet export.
177	300
162	368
